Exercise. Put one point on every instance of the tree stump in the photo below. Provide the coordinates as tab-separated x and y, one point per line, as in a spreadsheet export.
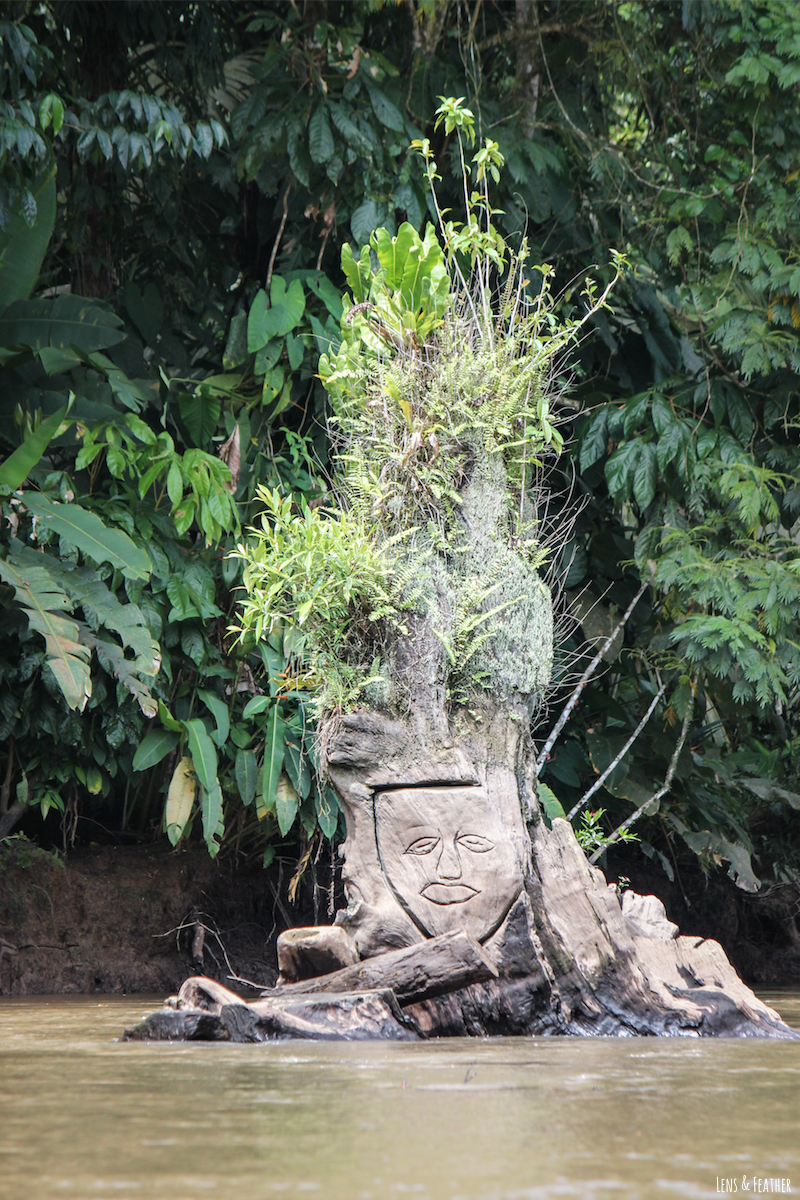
445	834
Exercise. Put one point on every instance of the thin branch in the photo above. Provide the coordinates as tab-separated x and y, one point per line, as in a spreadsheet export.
584	679
279	234
598	783
505	35
662	791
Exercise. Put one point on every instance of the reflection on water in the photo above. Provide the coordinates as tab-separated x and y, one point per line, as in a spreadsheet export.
86	1118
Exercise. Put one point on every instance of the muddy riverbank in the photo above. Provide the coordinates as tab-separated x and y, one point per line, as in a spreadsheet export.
142	918
131	919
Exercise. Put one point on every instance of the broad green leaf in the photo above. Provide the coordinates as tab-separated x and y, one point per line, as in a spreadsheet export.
296	765
594	439
603	749
267	326
55	360
645	476
663	416
43	602
203	752
294	349
257	335
268	355
246	769
273	758
174	484
286	803
211	811
236	346
673	444
219	710
85	530
330	296
550	802
180	799
385	111
274	662
23	789
204	138
320	139
425	279
363	221
112	658
167	719
156	745
146	310
23	247
257	705
635	413
357	271
18	466
393	253
327	805
620	468
200	414
66	321
340	115
288	305
102	608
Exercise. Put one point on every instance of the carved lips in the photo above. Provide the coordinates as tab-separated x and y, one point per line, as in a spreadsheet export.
449	893
447	858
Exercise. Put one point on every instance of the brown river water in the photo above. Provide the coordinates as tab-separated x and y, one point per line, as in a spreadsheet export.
86	1117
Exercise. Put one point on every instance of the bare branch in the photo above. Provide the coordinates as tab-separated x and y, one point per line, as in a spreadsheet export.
662	791
584	679
598	783
279	234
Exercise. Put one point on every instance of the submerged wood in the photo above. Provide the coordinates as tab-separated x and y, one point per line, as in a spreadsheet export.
186	1025
367	1015
204	1010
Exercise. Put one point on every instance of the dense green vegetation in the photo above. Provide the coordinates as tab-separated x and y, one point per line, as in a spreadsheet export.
178	184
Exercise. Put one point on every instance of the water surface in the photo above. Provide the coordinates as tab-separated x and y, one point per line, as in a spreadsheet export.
85	1117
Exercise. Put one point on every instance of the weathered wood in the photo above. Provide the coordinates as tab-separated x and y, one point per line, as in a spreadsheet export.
427	969
430	848
203	993
184	1025
315	950
353	1017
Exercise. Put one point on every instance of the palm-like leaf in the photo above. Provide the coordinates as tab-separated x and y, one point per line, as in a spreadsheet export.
44	603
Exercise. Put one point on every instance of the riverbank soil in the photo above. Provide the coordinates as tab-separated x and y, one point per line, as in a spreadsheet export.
132	919
143	918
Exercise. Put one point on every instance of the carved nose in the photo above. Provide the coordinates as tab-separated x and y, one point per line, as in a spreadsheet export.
449	864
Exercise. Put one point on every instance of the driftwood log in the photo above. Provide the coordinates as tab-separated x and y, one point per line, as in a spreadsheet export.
367	1015
415	973
357	1002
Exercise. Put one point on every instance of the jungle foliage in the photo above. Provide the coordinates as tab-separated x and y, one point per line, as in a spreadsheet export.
177	185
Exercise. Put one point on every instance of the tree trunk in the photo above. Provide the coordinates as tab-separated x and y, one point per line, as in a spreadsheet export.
445	834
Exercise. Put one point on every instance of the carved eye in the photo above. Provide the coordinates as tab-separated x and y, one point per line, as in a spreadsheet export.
475	843
423	845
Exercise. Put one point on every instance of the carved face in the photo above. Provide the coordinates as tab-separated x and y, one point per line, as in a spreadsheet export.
447	858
